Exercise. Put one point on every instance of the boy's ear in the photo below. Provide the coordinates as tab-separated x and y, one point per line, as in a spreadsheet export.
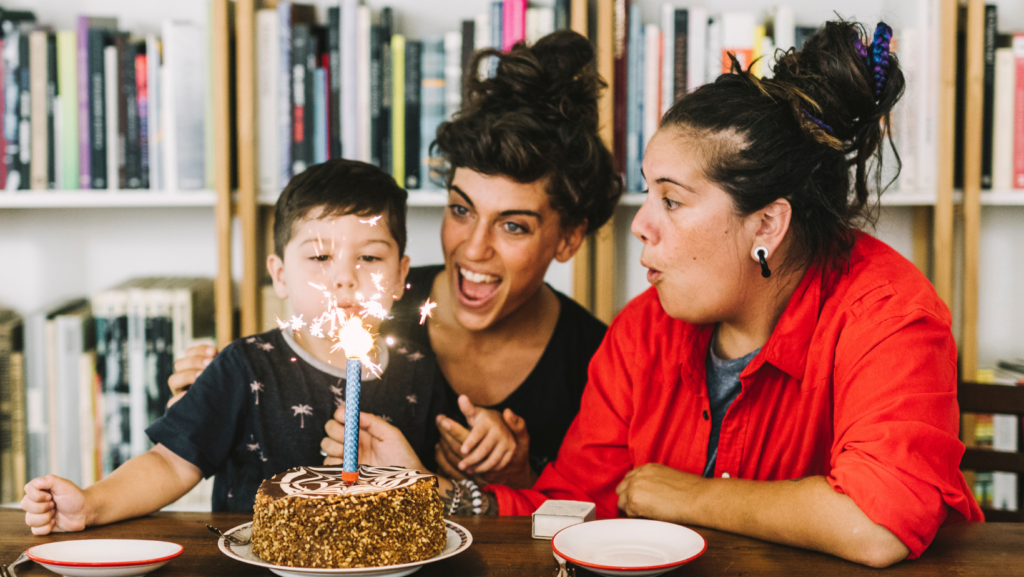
275	266
403	272
570	242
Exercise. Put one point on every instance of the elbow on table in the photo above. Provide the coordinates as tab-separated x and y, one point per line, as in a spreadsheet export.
880	551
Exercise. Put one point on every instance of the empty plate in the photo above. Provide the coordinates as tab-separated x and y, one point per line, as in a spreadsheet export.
108	557
633	547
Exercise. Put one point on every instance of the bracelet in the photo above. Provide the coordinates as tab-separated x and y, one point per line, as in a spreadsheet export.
456	496
475	495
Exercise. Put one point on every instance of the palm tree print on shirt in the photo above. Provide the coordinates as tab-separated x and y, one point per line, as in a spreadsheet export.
256	387
300	411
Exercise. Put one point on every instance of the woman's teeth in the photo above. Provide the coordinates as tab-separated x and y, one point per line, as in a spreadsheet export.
477	277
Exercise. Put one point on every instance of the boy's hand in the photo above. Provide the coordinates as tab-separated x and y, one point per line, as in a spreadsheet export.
187	369
54	504
516	474
380	443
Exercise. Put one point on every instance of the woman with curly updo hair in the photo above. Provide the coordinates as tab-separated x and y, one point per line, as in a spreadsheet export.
787	377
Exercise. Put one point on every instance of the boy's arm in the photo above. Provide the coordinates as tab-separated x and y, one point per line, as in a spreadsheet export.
139	487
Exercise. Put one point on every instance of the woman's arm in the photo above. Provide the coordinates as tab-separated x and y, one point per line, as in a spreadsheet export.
805	513
141	486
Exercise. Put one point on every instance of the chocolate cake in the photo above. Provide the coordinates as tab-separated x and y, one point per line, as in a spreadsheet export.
308	517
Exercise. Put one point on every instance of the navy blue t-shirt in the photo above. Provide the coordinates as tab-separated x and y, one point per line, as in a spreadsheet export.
261	406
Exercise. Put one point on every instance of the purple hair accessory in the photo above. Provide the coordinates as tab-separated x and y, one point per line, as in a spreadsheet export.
820	124
880	56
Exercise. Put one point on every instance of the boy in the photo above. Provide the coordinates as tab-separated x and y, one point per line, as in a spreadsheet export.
262	405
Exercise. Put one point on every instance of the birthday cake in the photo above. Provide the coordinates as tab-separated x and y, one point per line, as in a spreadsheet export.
308	517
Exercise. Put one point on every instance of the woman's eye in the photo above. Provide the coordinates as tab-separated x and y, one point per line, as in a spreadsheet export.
515	228
669	203
320	257
458	209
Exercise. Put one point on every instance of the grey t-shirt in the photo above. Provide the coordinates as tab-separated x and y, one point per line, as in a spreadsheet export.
723	387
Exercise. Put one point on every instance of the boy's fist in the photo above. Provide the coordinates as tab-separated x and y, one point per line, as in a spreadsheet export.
53	504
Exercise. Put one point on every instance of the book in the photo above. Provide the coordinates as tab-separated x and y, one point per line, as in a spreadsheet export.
334	57
349	78
268	77
111	88
98	38
481	40
561	10
1003	119
652	85
12	466
53	117
302	154
988	96
185	62
376	95
554	515
1018	112
452	74
387	80
363	82
73	338
620	54
737	39
713	50
513	23
469	36
67	87
154	120
129	143
696	61
680	70
12	171
398	108
321	99
433	94
141	65
413	86
497	19
25	133
634	100
37	113
668	57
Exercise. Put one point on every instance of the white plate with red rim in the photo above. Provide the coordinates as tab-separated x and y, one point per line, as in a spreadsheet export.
628	547
459	539
108	557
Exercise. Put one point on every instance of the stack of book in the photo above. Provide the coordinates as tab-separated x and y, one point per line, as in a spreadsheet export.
81	381
997	432
99	108
355	87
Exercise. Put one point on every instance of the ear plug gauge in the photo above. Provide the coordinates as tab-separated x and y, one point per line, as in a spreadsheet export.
762	257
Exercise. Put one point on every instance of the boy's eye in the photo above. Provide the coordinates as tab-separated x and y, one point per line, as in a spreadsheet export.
515	228
458	209
320	257
370	258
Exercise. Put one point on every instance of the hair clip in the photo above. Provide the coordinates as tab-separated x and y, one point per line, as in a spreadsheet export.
820	124
880	56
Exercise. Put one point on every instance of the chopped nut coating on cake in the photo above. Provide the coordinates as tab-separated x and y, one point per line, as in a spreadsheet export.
307	517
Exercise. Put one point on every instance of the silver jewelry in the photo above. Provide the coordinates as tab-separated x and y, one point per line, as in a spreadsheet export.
475	495
456	496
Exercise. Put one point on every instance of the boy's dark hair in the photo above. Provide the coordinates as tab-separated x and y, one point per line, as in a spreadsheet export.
798	134
339	187
536	118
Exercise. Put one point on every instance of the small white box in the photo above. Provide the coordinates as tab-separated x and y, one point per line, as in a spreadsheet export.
553	516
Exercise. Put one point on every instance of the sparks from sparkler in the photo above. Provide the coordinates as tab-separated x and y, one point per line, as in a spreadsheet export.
372	221
377	278
425	310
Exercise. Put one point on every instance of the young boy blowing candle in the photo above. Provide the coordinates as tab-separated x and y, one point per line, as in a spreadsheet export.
261	406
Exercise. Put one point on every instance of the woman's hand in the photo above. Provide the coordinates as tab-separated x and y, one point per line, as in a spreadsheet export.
515	473
658	492
54	504
380	443
490	443
187	369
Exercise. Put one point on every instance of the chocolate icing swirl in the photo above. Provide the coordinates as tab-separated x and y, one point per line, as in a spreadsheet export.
321	482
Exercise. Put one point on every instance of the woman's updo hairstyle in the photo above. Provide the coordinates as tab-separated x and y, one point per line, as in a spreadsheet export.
535	118
797	135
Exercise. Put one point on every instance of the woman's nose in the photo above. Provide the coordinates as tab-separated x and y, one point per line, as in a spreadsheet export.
478	247
641	227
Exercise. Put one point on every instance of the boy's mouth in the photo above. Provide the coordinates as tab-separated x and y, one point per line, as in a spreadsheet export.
476	288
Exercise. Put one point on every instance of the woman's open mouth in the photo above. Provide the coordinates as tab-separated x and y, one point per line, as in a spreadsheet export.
475	288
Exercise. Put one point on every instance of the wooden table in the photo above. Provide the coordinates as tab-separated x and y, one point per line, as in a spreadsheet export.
503	546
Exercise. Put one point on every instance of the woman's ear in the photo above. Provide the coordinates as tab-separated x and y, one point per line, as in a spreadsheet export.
275	266
572	239
772	223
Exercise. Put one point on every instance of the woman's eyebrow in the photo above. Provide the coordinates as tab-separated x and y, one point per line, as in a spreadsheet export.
458	191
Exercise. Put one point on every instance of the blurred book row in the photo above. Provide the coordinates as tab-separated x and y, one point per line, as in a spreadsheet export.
997	432
101	108
81	380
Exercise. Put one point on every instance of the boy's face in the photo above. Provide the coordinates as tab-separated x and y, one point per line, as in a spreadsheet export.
354	258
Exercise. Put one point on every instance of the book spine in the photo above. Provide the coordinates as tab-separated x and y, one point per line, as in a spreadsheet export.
452	74
284	95
680	58
363	81
121	45
1002	137
532	26
668	60
142	102
8	489
545	21
308	85
97	109
129	160
652	83
116	399
468	46
3	114
67	52
12	105
19	425
497	28
432	109
376	96
24	114
155	122
334	55
321	95
300	40
988	97
37	451
398	108
349	78
53	118
137	396
387	90
561	14
69	348
514	29
696	60
620	52
86	417
186	63
1018	112
84	150
634	105
111	89
267	77
413	85
38	116
168	142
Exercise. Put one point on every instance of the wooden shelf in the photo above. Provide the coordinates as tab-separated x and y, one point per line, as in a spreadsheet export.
1002	197
106	199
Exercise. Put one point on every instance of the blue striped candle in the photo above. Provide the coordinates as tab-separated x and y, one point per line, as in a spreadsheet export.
350	467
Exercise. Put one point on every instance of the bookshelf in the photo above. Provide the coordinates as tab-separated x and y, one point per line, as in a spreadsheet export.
103	199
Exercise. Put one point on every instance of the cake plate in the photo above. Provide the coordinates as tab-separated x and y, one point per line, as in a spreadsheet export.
459	539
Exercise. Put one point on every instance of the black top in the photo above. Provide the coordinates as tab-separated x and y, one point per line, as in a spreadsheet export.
723	388
549	399
261	406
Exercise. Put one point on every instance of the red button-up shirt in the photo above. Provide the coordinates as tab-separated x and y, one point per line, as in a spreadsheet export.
857	383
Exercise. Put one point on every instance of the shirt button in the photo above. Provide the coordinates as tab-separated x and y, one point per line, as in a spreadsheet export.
725	475
705	415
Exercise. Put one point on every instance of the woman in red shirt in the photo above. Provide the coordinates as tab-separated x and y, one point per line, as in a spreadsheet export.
838	430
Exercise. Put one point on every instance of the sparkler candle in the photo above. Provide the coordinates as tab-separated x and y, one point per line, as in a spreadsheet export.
357	342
